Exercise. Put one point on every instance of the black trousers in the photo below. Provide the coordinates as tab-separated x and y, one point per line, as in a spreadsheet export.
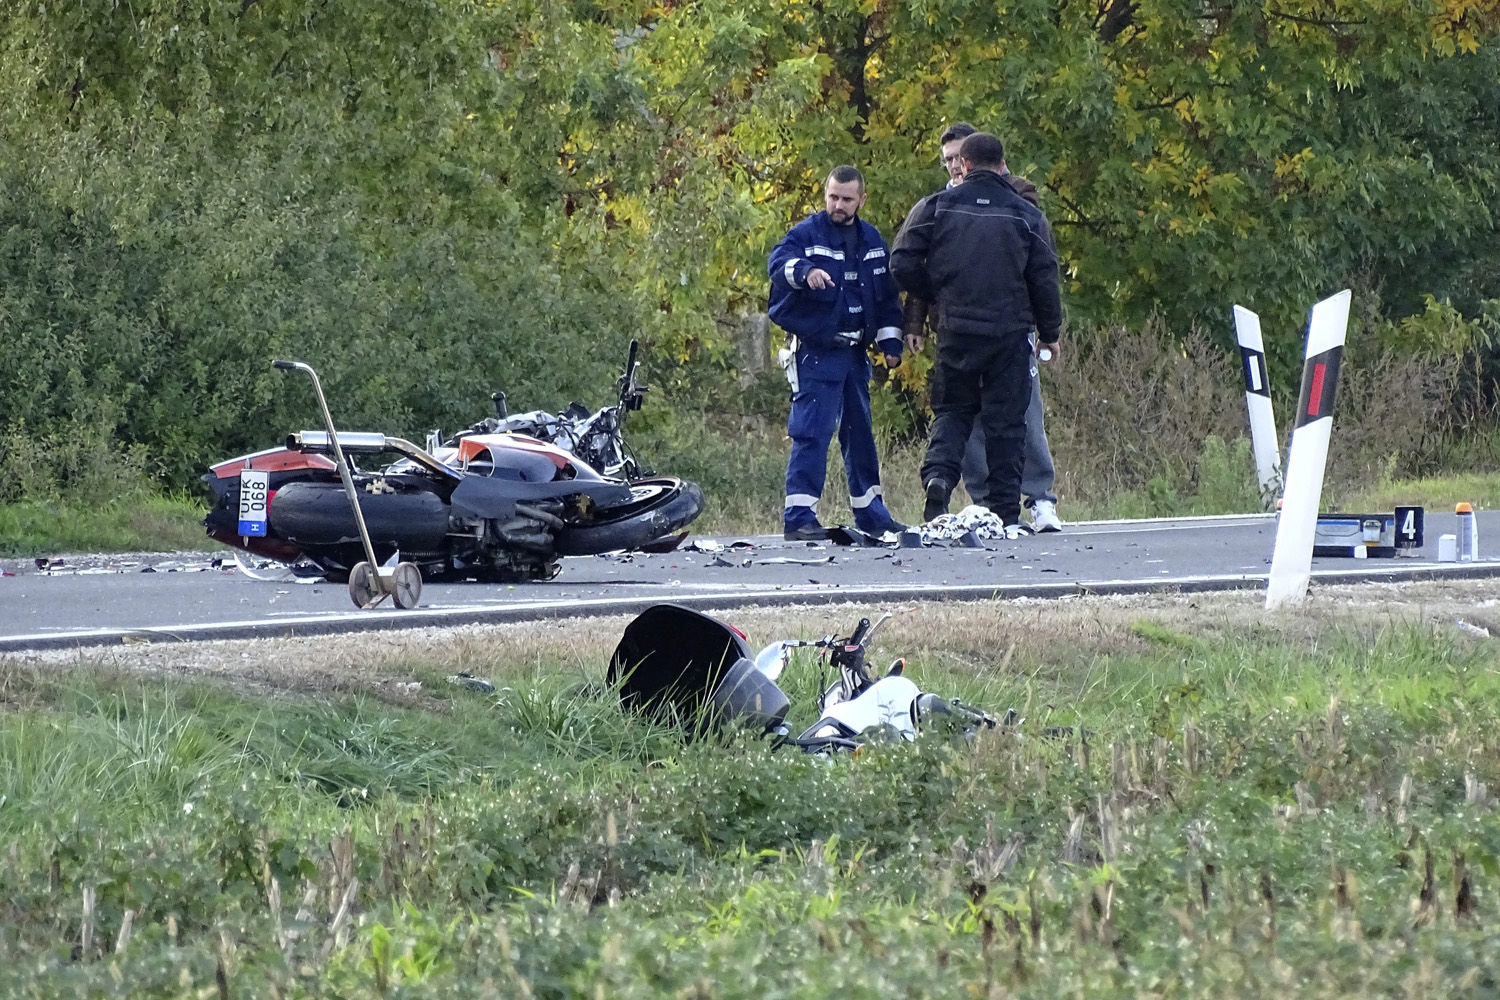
987	379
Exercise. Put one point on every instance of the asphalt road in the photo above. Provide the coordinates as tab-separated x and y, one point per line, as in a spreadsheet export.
87	602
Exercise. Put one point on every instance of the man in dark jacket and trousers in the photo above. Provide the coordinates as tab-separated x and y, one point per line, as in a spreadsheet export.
985	256
832	290
1038	474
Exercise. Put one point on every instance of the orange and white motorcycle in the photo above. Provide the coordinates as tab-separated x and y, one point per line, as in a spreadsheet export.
491	504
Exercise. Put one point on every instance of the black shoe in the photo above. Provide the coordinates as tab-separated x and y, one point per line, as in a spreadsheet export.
814	532
938	493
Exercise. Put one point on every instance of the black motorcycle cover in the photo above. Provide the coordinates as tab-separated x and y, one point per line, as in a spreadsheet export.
674	663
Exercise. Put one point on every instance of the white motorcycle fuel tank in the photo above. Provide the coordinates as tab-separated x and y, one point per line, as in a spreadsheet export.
887	702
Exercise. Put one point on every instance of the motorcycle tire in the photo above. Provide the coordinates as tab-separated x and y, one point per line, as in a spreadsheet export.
312	515
656	507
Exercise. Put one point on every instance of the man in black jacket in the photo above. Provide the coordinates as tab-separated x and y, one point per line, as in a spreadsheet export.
1038	474
985	256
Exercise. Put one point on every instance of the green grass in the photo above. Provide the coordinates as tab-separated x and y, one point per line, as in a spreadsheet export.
1482	489
142	522
743	475
1254	812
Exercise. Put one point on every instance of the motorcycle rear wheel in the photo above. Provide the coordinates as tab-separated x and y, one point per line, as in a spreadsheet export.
656	507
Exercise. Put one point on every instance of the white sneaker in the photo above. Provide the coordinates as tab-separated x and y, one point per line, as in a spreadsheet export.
1044	516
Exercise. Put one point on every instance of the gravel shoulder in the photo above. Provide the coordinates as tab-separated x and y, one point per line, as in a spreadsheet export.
393	665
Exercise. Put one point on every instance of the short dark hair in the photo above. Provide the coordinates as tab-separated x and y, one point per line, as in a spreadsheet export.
982	150
958	130
844	174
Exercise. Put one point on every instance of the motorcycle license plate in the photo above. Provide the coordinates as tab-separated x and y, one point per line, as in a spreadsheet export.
254	486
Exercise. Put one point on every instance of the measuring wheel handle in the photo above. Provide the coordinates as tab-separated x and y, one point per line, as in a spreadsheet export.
406	585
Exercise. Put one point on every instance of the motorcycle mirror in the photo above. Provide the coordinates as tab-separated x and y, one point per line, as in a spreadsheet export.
927	707
501	410
772	660
867	636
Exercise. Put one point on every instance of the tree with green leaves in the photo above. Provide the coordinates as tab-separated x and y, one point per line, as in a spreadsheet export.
434	199
1190	153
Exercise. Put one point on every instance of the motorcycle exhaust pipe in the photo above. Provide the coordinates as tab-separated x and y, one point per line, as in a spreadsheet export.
320	442
366	442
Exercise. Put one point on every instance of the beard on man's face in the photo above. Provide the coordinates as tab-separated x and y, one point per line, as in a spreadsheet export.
843	216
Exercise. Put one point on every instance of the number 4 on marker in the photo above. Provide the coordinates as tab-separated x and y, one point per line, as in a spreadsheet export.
1409	527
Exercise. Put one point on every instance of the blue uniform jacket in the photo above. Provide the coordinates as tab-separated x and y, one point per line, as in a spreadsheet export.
864	296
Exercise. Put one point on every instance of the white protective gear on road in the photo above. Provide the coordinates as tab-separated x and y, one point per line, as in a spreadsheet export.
984	522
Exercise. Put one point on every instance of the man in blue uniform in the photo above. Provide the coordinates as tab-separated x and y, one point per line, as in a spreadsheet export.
832	290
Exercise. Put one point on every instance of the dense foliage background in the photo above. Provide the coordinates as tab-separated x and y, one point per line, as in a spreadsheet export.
430	200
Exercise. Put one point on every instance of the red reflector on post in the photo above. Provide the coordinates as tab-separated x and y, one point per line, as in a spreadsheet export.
1315	397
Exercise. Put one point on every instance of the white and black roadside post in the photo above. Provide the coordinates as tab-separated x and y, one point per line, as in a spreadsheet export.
1307	455
1258	401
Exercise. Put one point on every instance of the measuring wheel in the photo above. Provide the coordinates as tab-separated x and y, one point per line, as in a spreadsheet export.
364	585
406	585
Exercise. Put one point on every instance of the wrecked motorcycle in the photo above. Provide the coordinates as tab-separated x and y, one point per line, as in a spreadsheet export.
491	505
597	438
675	664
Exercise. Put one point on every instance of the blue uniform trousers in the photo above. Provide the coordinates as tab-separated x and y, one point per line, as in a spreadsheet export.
819	407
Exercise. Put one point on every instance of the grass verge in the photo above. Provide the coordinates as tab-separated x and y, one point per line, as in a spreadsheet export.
1244	806
743	473
142	522
1434	492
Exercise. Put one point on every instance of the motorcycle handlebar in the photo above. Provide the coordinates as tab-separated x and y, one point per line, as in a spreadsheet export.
860	630
632	393
285	366
861	635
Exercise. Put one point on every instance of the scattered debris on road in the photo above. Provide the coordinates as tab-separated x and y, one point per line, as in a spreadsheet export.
788	561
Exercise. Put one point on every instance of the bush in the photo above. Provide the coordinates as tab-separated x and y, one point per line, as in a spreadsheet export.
1127	407
153	352
1143	423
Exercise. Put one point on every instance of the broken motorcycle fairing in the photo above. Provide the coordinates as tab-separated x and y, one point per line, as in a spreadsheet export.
595	437
678	665
497	507
493	503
